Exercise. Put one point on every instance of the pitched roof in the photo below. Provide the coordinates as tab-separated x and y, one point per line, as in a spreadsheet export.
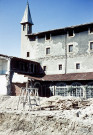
65	77
76	28
27	16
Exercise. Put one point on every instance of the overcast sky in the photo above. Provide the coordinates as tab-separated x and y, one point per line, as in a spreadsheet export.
46	15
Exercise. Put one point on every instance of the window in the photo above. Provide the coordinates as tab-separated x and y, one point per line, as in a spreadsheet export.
24	27
47	36
44	68
91	45
60	67
32	38
70	48
91	30
70	33
78	66
28	54
47	50
32	68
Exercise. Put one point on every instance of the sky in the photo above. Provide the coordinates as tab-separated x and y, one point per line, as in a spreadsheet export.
46	15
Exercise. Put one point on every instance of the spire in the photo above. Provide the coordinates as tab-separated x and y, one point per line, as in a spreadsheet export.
27	16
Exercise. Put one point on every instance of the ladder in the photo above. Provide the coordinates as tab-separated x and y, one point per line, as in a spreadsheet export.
29	96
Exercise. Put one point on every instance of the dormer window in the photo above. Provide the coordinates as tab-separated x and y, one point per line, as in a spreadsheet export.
91	29
70	33
24	27
47	36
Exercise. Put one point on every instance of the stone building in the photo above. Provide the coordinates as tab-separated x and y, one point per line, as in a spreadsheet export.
12	71
65	55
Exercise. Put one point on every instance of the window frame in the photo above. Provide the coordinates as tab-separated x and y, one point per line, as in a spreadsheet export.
90	48
69	50
24	27
47	50
44	68
28	54
60	67
77	65
90	30
68	33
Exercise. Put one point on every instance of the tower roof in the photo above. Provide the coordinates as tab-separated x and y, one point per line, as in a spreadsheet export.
27	16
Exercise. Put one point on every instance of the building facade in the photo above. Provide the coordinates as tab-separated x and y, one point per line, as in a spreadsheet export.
62	53
12	72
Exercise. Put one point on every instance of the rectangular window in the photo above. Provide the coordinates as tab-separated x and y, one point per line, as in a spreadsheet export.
47	50
91	45
24	27
44	68
28	54
47	36
70	33
70	48
91	30
60	67
77	65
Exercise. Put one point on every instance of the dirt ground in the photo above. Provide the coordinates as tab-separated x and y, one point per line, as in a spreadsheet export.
56	115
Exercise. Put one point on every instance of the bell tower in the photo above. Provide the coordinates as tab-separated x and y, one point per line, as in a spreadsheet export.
26	28
27	21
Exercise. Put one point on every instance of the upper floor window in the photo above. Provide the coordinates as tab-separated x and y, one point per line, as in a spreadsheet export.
91	29
28	54
48	50
24	27
70	33
70	48
60	67
47	36
77	65
44	68
91	45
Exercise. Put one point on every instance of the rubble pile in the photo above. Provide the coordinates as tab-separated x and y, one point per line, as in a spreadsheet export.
58	116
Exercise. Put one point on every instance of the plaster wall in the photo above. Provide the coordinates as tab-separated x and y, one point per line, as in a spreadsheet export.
3	85
59	52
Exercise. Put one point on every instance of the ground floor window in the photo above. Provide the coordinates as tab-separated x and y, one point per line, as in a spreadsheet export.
76	90
61	89
89	90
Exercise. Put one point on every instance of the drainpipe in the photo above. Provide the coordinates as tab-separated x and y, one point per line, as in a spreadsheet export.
65	53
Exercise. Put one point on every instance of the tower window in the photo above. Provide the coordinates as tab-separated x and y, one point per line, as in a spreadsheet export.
44	68
24	27
91	45
60	67
70	48
28	54
28	28
47	50
77	65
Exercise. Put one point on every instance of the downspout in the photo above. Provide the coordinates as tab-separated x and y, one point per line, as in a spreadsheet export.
65	53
